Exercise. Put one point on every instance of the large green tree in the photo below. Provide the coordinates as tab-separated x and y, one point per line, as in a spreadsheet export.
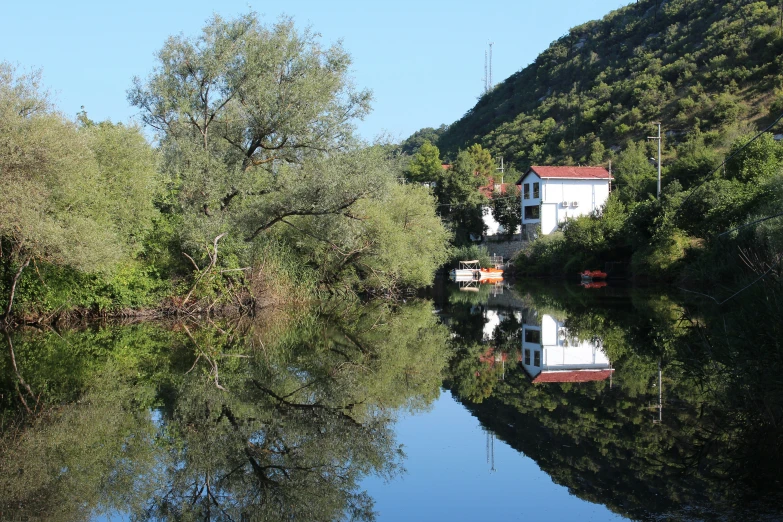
634	173
507	210
256	124
459	200
239	109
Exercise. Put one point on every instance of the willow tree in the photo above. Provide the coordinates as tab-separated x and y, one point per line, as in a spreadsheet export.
238	108
256	124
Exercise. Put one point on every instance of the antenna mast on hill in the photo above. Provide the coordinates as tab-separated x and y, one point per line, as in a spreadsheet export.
490	65
488	69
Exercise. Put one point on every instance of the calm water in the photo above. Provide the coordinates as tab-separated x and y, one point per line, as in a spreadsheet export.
541	402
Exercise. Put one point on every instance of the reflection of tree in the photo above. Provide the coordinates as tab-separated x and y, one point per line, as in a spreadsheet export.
717	451
476	366
285	430
79	459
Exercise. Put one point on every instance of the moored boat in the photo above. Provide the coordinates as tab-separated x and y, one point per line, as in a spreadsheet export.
466	270
471	271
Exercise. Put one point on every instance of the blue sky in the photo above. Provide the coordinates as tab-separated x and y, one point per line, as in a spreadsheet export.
423	60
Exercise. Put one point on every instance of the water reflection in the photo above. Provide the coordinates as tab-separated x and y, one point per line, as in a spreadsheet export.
597	369
634	400
550	353
223	421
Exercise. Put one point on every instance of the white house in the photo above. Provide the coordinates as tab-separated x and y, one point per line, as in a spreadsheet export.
549	195
551	354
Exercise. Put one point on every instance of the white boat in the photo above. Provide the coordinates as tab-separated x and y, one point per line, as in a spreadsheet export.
467	270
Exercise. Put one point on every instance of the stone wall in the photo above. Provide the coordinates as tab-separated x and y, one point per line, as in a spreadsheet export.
507	249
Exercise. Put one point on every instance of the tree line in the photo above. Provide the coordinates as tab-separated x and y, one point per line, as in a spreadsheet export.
255	182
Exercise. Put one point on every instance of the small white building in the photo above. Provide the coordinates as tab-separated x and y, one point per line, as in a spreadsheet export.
551	354
550	195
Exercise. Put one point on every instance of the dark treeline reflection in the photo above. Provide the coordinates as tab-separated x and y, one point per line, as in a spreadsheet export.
271	420
709	446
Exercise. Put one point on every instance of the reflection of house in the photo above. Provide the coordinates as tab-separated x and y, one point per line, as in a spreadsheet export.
492	320
549	354
550	195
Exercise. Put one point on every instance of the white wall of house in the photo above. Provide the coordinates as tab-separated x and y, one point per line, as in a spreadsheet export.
558	350
560	199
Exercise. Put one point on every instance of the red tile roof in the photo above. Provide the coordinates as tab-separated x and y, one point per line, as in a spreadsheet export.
567	173
489	357
573	376
489	188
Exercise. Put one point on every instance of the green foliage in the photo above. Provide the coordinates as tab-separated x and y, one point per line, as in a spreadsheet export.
484	165
468	253
757	162
257	131
459	200
242	108
425	166
547	255
128	172
415	141
76	201
52	206
695	159
586	242
636	177
506	208
695	63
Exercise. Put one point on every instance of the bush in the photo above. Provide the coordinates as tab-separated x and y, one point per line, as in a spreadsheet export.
470	252
544	256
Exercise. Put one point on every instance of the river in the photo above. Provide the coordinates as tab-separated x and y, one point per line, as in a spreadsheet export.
542	401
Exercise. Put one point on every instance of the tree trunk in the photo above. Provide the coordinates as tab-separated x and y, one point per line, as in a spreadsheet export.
21	379
13	288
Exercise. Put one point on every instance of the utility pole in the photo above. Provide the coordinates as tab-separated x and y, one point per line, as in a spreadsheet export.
660	395
658	137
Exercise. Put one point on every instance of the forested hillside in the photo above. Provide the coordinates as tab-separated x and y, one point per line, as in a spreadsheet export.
691	64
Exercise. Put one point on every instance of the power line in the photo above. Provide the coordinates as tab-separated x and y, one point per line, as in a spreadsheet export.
751	223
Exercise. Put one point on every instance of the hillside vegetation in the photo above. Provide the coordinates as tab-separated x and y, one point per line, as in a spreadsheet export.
712	73
691	64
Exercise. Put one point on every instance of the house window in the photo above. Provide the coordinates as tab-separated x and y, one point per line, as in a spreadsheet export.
531	212
533	336
537	358
527	356
527	190
535	191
